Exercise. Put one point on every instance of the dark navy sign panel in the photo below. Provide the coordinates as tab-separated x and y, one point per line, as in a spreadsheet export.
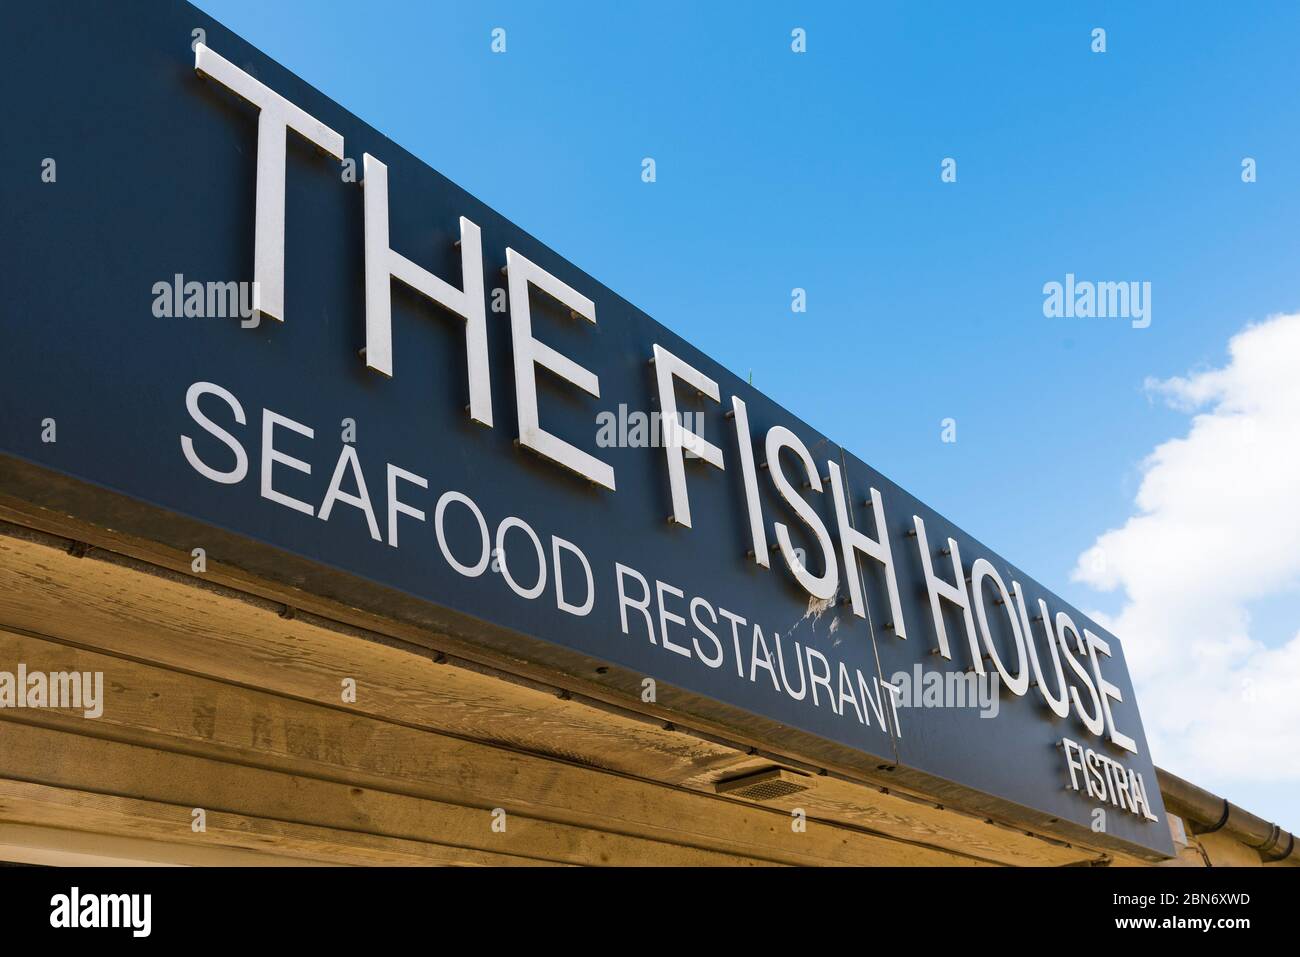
155	178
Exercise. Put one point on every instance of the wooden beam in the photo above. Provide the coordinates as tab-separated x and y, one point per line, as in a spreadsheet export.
184	782
86	825
166	621
156	708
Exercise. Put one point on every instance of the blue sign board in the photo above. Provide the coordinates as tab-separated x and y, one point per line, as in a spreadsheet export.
236	317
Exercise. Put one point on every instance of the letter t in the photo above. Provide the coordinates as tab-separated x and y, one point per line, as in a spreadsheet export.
277	116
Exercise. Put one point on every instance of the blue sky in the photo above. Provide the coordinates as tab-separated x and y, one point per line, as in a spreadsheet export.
822	171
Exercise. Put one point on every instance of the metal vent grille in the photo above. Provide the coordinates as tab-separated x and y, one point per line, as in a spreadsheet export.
765	785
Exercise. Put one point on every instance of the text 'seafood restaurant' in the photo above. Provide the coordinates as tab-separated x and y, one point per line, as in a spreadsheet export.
310	551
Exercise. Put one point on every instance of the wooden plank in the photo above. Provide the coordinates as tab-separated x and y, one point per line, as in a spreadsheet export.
908	818
168	622
173	565
83	822
194	630
61	847
154	707
76	761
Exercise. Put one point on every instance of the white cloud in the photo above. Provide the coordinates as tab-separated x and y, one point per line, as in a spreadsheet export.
1216	527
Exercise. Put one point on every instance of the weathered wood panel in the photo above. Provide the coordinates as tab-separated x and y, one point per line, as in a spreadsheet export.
64	760
154	707
153	832
489	729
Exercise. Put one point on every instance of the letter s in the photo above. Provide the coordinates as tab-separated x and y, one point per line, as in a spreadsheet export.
187	444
